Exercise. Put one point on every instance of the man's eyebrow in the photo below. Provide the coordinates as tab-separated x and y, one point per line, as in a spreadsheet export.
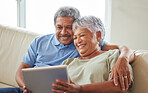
58	25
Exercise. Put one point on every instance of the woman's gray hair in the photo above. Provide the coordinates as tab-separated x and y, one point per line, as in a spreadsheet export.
67	11
91	23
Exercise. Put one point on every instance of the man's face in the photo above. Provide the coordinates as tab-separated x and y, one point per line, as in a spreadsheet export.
64	32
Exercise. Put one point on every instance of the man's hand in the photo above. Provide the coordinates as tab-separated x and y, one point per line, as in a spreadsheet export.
24	90
121	73
19	76
64	87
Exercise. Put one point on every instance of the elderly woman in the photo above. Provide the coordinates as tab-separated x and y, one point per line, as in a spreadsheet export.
90	73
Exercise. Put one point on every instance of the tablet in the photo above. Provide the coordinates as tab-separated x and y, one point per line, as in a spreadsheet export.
39	80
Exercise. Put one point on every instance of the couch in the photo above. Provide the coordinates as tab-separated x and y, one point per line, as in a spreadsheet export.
15	41
13	45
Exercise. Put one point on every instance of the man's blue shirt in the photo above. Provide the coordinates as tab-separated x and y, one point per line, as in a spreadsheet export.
48	51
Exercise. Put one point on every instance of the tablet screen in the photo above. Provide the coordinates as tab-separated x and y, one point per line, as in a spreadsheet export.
39	80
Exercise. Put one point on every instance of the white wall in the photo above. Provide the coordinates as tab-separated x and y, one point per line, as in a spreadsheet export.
129	23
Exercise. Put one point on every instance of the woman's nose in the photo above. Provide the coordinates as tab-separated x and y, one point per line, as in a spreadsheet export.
79	40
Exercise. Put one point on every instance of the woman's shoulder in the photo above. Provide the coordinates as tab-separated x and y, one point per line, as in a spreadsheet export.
110	52
67	61
114	51
113	54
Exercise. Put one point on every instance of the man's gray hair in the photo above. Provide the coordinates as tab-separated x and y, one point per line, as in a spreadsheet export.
67	11
91	23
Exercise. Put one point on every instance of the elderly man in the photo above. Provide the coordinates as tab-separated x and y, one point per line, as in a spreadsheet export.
52	49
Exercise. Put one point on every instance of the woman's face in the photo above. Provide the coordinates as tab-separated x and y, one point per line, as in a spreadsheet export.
85	41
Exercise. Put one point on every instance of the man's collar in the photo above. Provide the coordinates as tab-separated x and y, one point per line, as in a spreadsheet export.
56	42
